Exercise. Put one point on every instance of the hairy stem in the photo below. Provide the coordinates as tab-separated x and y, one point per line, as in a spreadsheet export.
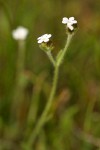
44	115
51	57
60	60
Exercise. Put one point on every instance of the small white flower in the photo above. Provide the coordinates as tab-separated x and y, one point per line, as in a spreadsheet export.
20	33
44	38
69	22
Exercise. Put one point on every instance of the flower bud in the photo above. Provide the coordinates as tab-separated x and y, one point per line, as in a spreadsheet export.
20	33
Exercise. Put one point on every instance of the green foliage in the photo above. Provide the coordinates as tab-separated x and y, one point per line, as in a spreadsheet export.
74	122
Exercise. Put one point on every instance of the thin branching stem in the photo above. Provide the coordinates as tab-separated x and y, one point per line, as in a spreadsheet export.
44	115
60	60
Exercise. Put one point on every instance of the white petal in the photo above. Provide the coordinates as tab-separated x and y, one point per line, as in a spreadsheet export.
74	21
40	41
71	18
65	20
44	38
45	35
49	35
39	38
70	26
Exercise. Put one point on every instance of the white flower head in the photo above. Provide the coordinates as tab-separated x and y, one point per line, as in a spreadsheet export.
20	33
69	22
44	38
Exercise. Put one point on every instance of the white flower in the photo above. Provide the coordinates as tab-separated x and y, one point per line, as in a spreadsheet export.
69	22
20	33
44	38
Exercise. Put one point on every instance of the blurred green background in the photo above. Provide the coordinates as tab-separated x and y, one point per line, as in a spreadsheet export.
75	121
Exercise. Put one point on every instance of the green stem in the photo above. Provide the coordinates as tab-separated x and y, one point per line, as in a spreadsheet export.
51	57
21	57
43	117
59	61
18	91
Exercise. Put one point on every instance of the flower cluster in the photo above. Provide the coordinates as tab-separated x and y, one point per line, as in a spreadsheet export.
44	41
20	33
44	38
69	22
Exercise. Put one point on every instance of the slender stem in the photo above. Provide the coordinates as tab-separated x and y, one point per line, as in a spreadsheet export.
51	57
21	57
19	85
43	117
65	49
